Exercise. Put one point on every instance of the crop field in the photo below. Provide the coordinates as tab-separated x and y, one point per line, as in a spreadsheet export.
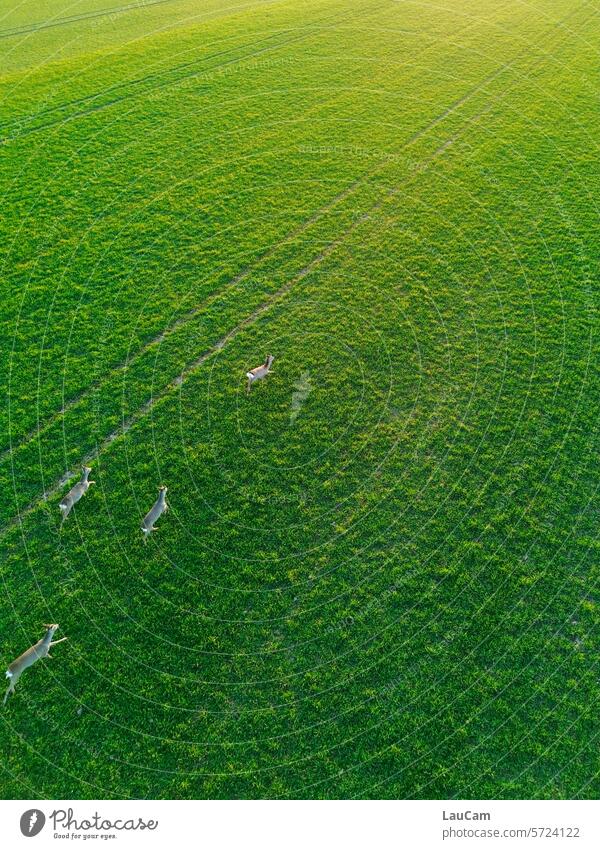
379	574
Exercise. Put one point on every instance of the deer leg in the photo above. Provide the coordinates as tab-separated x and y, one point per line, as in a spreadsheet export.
65	512
56	642
10	689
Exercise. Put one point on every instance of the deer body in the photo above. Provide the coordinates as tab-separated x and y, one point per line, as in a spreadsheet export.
159	507
259	372
28	658
76	493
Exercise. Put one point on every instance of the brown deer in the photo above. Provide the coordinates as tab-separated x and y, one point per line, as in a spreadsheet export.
259	372
28	658
75	494
159	507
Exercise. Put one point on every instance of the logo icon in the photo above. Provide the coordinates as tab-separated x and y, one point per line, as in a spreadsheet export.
32	822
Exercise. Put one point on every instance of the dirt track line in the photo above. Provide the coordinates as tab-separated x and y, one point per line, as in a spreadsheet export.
137	81
181	321
195	364
53	418
12	32
284	290
251	319
242	275
315	27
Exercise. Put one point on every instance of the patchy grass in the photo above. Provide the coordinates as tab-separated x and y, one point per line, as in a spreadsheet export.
379	574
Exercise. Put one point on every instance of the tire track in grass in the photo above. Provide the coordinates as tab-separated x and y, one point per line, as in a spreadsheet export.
447	143
273	299
249	320
315	28
98	384
11	32
242	275
246	322
156	75
53	418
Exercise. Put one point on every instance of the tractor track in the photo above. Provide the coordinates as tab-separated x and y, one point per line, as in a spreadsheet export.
278	296
248	269
13	32
20	122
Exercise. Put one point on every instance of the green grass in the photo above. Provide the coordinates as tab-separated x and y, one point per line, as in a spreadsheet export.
393	593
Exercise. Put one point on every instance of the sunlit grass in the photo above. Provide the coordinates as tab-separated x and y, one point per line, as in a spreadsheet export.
378	575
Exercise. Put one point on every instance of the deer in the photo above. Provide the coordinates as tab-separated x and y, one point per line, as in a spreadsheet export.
259	372
159	507
28	658
75	494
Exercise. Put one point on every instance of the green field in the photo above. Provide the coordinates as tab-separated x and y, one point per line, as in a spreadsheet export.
379	574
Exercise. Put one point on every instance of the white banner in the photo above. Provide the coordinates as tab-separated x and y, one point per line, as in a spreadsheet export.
300	825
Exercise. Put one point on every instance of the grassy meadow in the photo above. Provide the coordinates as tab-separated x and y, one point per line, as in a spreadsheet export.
379	574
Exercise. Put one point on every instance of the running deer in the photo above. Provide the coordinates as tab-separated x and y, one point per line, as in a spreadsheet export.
159	507
75	493
29	657
259	372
